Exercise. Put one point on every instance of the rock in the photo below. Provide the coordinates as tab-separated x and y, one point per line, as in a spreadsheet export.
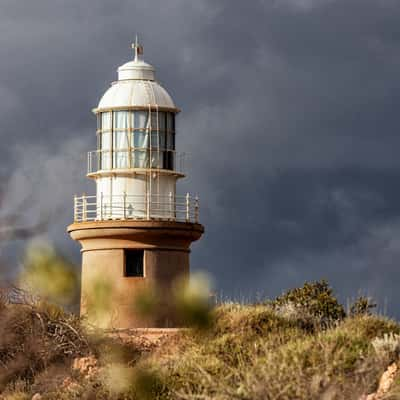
387	380
87	366
70	385
385	384
37	396
66	382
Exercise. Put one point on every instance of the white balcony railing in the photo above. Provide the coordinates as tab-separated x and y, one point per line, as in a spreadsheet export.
105	160
136	207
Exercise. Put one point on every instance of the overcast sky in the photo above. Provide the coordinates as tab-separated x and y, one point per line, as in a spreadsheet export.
290	113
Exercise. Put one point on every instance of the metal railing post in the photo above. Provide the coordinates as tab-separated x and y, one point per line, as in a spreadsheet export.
196	209
101	206
84	207
75	208
124	205
187	207
170	204
148	206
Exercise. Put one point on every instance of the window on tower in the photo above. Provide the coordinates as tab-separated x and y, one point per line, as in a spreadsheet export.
133	263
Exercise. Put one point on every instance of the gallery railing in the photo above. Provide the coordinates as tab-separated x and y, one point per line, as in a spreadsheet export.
136	207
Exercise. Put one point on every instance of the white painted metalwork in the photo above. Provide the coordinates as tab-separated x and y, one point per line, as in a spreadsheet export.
136	207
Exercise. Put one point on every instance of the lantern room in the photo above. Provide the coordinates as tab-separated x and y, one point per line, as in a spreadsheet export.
135	139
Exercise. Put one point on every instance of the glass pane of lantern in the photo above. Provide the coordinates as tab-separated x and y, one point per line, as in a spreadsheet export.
154	124
106	121
158	140
161	121
170	121
105	160
106	141
121	120
141	119
121	139
169	160
140	159
121	159
154	140
98	117
131	118
171	141
162	139
157	160
141	139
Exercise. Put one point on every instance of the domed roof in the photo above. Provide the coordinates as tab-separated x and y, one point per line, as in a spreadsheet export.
136	87
135	93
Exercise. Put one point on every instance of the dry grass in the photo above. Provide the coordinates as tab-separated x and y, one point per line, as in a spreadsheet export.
252	353
249	352
35	336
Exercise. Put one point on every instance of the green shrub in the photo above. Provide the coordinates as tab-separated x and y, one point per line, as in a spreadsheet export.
362	306
312	305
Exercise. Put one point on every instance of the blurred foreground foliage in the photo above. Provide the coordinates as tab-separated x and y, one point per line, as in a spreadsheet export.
48	275
192	301
301	345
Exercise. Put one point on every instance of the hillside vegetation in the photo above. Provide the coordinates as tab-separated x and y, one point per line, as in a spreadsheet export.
301	345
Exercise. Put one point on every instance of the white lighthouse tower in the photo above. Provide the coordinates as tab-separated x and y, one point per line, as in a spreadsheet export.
136	230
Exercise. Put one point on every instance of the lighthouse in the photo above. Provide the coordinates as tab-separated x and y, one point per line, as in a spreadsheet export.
135	232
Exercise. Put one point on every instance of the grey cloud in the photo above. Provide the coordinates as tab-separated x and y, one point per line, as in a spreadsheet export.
289	116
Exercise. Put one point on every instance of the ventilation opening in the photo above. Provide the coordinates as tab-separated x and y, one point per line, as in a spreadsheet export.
134	263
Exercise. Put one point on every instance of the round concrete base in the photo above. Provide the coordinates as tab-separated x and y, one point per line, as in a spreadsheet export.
165	246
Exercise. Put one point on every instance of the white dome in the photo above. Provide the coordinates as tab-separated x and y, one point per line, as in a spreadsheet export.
135	93
136	87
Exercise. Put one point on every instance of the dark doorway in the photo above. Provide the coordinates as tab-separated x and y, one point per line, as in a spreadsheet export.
134	263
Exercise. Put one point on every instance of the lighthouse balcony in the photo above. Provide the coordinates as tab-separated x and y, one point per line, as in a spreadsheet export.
136	207
138	159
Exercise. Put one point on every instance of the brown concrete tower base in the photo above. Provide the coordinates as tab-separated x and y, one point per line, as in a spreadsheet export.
166	248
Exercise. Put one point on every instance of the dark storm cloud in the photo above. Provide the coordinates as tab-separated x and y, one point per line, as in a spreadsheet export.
289	115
